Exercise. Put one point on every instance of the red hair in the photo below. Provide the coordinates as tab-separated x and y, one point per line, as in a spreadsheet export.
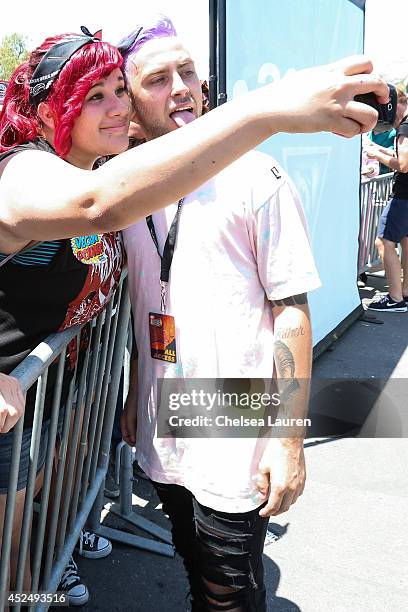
19	121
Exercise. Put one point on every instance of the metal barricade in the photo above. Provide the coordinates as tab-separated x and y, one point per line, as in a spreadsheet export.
374	196
79	438
124	459
124	510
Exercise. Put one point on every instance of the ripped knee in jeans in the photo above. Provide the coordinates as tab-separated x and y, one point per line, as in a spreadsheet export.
225	560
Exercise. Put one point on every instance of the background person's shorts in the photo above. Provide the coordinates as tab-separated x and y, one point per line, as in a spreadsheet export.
393	225
6	447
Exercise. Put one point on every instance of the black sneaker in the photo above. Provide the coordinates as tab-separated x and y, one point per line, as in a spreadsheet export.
93	546
73	586
387	304
405	298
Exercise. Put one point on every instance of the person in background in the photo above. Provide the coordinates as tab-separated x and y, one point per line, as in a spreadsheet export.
386	139
393	226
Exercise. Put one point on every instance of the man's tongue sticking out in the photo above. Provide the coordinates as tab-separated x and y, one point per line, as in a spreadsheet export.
182	117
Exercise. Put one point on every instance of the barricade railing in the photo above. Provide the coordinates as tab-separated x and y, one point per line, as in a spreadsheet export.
123	460
374	196
77	455
124	510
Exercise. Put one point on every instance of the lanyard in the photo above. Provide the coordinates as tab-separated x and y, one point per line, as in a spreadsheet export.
168	251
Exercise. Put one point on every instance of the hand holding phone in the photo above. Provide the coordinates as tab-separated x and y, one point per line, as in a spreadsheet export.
386	112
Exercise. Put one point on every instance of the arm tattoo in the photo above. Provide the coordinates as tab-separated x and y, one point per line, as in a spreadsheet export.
285	364
290	332
284	360
293	300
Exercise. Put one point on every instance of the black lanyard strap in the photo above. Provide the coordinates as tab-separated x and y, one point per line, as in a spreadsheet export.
168	251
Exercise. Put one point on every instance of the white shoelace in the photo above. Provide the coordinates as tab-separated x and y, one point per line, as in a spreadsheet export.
70	574
89	537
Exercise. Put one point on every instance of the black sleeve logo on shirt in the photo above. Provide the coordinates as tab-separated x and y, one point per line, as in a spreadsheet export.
276	172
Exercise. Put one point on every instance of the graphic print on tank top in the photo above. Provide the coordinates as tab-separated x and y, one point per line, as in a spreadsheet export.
102	277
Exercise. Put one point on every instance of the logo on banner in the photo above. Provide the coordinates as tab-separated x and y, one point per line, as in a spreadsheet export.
89	249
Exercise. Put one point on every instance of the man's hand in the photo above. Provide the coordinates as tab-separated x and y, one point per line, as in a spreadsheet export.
281	475
128	419
322	99
12	402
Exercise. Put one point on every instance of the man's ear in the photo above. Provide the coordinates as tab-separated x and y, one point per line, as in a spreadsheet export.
46	116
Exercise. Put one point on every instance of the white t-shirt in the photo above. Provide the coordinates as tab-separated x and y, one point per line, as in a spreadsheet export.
242	239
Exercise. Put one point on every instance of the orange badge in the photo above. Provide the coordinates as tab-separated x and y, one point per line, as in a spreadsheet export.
162	330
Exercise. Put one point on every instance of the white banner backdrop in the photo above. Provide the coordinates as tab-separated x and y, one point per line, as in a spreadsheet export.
264	41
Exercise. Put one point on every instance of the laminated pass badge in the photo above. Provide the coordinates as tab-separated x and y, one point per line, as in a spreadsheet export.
162	328
162	337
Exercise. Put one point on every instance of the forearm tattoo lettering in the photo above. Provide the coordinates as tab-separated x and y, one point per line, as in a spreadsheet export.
289	332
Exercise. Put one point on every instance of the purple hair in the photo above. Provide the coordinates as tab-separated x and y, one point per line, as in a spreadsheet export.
158	26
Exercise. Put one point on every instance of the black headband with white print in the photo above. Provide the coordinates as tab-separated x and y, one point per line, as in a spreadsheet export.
52	63
127	43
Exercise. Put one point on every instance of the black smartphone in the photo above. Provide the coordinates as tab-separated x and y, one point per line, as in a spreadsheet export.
386	112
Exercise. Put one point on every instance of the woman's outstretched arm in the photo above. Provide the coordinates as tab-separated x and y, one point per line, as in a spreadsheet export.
44	198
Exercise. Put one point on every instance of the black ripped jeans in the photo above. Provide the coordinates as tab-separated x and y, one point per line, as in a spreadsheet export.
222	552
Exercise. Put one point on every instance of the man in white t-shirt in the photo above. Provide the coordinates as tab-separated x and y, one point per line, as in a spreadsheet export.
218	286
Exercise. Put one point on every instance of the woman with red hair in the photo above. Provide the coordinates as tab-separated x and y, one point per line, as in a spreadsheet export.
54	106
60	253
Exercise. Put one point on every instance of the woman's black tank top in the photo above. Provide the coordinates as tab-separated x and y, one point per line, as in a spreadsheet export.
41	298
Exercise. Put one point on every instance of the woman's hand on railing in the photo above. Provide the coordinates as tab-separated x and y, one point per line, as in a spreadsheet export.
12	402
368	171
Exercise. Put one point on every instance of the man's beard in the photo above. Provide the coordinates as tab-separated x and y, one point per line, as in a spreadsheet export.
155	130
151	127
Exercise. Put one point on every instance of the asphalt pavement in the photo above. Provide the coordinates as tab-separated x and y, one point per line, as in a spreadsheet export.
343	545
